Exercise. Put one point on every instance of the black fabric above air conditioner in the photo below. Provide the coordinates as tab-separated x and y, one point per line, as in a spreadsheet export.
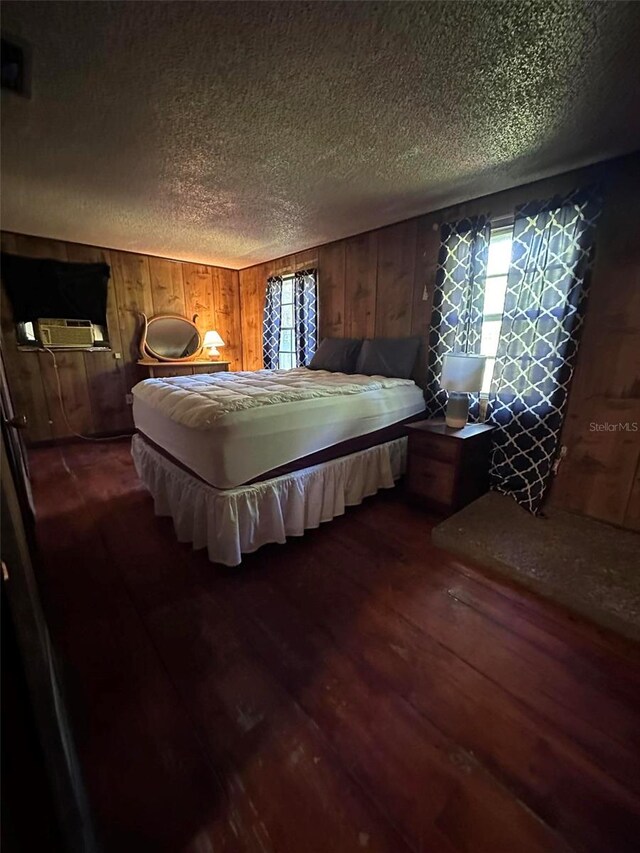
47	288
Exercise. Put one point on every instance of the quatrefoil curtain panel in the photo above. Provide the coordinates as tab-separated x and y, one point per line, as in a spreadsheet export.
272	322
544	310
305	305
458	301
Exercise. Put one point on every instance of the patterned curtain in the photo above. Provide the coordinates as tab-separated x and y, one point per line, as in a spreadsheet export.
543	313
458	301
271	323
305	297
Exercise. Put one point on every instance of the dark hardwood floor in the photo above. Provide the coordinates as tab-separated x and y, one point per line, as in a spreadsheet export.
355	689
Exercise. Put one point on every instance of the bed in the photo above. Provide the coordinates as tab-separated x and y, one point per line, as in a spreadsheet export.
241	459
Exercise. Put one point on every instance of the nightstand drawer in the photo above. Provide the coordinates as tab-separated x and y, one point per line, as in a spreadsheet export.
433	446
431	479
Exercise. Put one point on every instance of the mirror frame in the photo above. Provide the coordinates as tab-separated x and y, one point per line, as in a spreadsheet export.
147	352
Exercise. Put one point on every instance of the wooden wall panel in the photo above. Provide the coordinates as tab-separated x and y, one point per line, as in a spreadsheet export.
25	380
304	260
105	370
361	280
252	297
598	477
167	287
331	289
95	384
131	280
426	261
106	382
396	270
227	312
632	513
37	247
27	389
74	387
198	295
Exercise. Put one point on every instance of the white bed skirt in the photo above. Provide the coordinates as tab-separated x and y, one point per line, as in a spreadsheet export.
232	522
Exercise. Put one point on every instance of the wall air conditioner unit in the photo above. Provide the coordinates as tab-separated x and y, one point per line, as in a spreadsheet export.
64	333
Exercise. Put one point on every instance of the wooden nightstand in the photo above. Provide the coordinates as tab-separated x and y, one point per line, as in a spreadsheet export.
447	468
182	368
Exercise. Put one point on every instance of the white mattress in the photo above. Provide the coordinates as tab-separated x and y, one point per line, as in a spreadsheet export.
241	445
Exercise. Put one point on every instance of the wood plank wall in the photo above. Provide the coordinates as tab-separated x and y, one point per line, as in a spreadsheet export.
602	474
94	384
374	284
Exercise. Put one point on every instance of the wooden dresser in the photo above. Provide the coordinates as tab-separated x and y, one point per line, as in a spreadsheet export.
447	468
182	368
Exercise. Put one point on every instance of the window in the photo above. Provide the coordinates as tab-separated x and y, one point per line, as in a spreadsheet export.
287	355
49	289
494	294
290	323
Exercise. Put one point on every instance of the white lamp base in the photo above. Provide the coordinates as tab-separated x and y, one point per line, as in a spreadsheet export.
457	410
214	353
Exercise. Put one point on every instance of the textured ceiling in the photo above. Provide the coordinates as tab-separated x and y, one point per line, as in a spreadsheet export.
232	133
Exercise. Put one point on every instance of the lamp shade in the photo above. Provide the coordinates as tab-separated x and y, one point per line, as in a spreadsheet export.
462	373
212	339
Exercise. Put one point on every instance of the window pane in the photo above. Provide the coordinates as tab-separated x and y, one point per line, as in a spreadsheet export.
490	335
495	290
287	315
286	340
488	375
287	290
286	361
499	252
494	295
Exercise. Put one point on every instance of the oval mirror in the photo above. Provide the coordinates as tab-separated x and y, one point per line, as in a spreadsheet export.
171	338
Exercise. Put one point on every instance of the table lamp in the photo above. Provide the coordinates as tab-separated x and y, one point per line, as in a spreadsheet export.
461	375
212	341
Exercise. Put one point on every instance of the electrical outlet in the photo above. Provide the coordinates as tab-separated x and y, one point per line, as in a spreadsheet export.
117	355
129	399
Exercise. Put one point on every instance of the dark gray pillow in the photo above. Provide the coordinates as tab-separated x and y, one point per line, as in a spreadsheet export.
337	354
388	357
